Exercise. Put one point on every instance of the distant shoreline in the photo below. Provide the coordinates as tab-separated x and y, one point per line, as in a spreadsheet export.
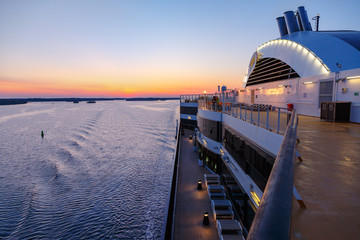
150	99
16	101
12	101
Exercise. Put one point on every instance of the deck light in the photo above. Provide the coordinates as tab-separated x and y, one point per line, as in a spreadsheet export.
352	77
311	56
308	82
199	187
255	198
206	218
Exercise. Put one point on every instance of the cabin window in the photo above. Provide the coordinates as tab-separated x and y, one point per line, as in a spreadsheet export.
209	128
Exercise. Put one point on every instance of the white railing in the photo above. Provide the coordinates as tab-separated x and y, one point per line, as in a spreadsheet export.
272	118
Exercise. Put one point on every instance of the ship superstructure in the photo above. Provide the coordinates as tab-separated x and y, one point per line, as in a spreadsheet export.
279	168
304	68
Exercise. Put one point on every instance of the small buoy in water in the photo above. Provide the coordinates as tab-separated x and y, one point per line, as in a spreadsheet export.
42	134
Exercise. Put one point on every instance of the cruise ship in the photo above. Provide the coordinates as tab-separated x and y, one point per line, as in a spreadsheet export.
277	158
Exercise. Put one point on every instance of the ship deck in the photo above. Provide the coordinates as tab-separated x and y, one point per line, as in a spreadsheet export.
190	202
328	180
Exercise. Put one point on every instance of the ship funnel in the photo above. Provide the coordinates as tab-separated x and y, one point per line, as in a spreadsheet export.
299	21
303	19
291	23
282	26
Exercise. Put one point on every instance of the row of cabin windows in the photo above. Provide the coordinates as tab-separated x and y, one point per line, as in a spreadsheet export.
254	162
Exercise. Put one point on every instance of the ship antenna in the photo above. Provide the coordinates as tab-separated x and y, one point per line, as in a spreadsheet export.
317	20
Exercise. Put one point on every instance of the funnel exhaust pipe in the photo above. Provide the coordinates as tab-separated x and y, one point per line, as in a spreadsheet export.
282	26
291	23
303	19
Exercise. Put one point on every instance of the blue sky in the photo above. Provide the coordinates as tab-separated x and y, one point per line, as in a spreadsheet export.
141	48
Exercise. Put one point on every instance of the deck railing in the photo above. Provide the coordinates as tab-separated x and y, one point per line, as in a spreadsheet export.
168	227
272	118
191	98
194	98
273	217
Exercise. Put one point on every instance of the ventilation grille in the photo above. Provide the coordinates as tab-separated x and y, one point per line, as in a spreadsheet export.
269	70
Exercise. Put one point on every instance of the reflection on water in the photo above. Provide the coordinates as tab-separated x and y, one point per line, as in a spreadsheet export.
102	170
24	114
152	108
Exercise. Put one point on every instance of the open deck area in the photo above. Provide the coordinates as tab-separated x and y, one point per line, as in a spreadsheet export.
190	202
328	180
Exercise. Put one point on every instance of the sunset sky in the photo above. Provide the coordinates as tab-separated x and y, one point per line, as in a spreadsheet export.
127	48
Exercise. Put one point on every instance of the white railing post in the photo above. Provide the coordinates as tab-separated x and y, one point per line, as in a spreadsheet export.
245	112
251	110
267	118
278	123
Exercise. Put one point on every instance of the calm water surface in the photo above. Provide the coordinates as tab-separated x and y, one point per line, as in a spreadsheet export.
102	170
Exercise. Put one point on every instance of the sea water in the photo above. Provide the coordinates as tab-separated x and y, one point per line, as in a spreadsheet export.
101	171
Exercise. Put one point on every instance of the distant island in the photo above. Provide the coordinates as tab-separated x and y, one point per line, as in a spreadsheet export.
14	101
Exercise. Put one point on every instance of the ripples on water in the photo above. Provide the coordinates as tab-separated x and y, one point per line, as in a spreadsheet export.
102	170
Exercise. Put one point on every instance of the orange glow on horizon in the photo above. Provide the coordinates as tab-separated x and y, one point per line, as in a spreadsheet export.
94	75
134	86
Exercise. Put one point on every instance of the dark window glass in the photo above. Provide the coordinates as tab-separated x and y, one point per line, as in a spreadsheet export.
188	110
255	162
209	128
